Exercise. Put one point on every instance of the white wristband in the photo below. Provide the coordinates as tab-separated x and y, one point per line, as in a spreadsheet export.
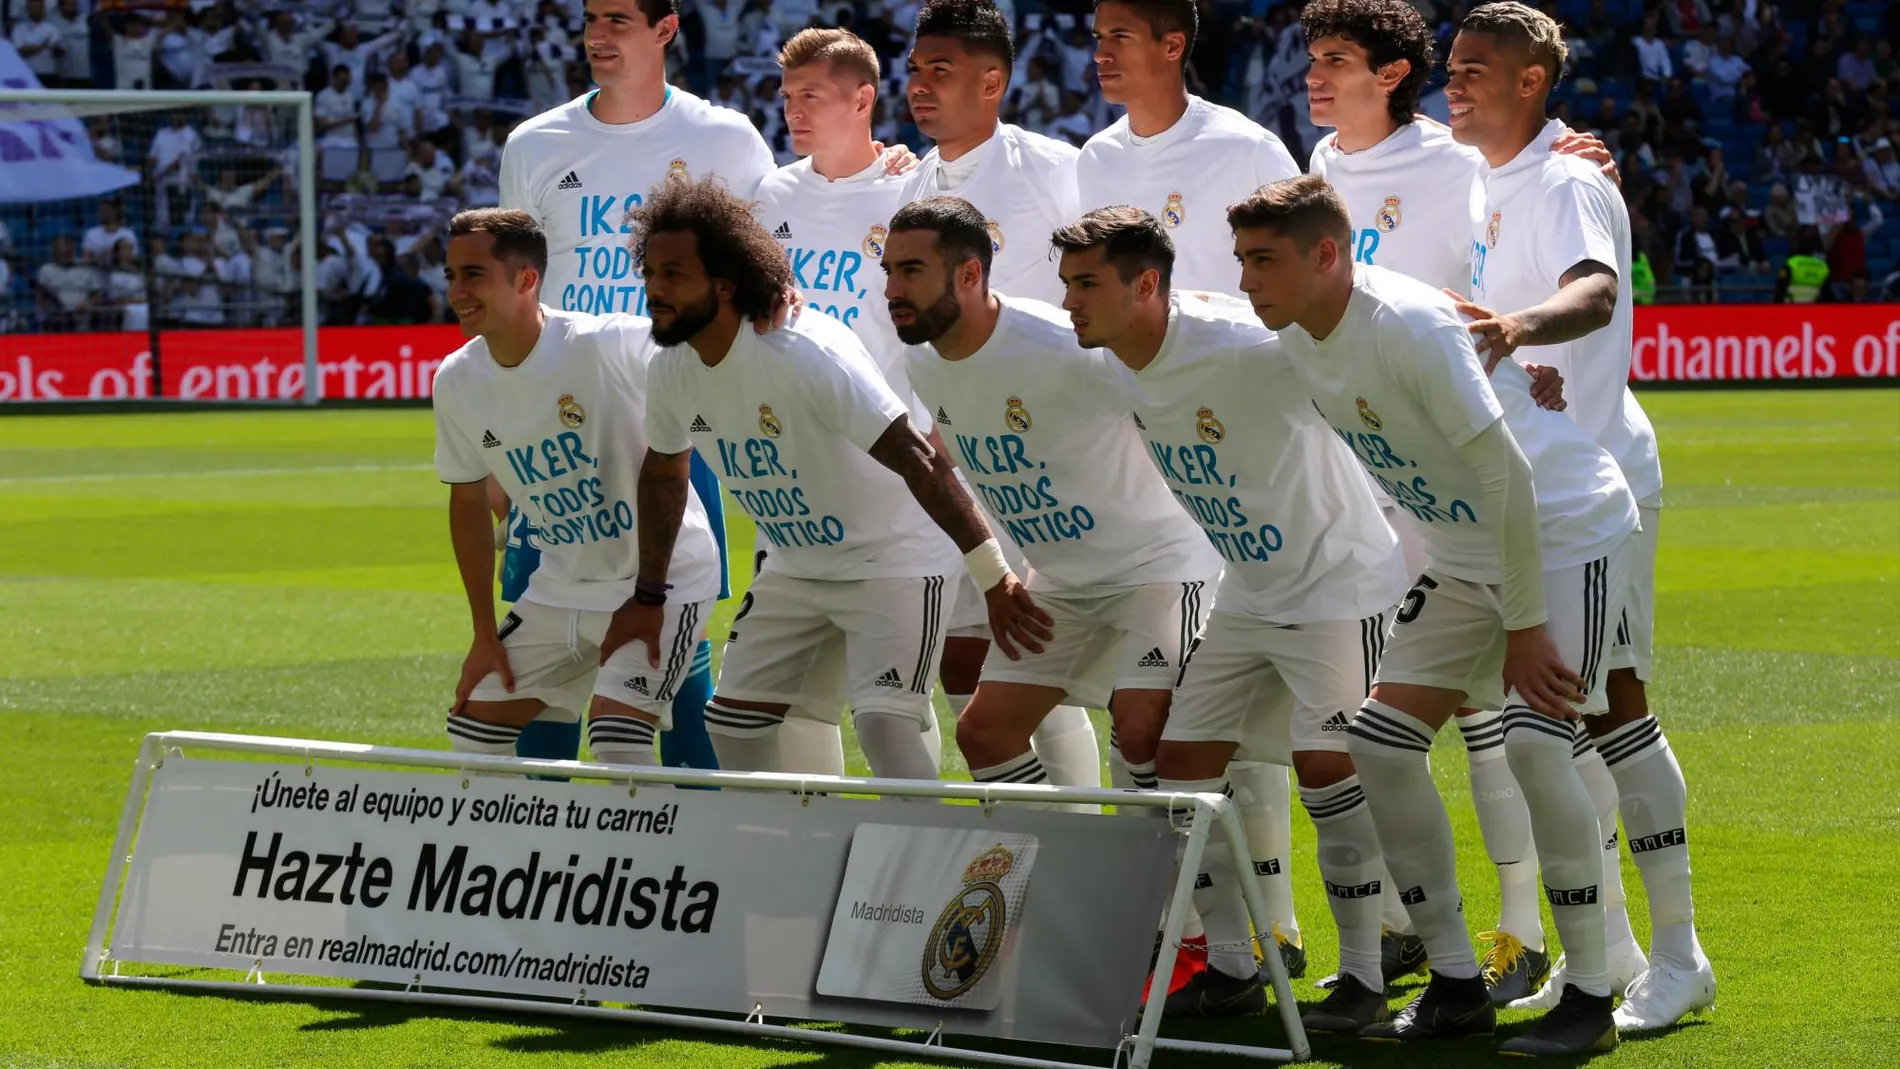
986	565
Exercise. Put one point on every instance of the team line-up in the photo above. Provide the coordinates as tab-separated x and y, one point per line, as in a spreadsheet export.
1280	470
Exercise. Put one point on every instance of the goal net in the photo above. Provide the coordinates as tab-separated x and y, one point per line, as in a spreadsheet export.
152	244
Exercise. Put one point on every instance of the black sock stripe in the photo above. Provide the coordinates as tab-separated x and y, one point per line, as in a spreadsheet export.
920	681
1114	740
1029	772
482	731
1391	724
1333	807
1631	744
1516	719
743	718
621	727
1360	728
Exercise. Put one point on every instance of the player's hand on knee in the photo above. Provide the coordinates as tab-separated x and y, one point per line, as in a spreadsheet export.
633	622
1547	387
1016	619
485	655
1535	669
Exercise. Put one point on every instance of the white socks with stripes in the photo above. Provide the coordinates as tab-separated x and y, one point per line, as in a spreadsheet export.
1654	803
1351	864
1265	802
467	735
893	746
1602	788
805	744
1390	747
744	740
1217	893
1569	846
1505	821
1065	743
1023	768
621	740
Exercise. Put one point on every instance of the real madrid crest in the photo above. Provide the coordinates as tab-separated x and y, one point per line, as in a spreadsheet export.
1015	415
1367	416
572	414
677	169
968	935
996	235
1175	212
768	423
1211	430
1389	215
1491	230
874	242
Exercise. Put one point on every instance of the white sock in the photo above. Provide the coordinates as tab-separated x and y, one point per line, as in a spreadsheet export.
1266	812
810	746
1023	768
1602	787
1390	747
1065	743
1351	864
893	746
1654	802
467	735
744	740
1392	911
621	740
1505	822
933	735
1569	845
1217	894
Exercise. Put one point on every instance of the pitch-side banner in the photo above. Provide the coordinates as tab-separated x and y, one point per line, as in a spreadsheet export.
875	912
1673	343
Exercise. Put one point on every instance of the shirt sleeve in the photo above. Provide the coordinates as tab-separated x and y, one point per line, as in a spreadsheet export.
514	181
751	163
1272	162
457	458
849	394
1577	226
1441	365
665	434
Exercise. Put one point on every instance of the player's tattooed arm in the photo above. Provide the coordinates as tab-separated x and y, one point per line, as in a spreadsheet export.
932	482
665	480
1585	301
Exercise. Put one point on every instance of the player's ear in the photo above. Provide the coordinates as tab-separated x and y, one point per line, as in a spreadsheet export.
866	101
666	29
1530	80
995	80
1393	73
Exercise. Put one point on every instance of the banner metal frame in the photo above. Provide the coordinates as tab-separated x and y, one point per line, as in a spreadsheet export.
1138	1048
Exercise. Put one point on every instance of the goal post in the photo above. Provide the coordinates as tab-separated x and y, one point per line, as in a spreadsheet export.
214	195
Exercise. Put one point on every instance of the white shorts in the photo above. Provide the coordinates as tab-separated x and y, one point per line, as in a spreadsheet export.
555	656
1635	645
1449	633
1275	688
1132	639
788	630
972	616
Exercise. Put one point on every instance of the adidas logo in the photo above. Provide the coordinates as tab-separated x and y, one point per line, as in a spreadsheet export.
1154	659
1138	423
784	232
1335	722
489	441
638	684
572	181
700	426
890	678
942	416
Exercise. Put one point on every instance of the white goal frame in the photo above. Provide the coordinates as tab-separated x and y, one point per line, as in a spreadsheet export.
155	100
1138	1048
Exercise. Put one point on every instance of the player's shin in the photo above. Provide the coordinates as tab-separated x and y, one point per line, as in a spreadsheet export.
811	745
1654	804
1505	822
1266	813
1065	743
746	740
1352	865
1217	893
893	745
1389	748
1602	788
1569	849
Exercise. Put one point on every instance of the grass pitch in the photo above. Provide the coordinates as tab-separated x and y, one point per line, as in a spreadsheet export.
289	573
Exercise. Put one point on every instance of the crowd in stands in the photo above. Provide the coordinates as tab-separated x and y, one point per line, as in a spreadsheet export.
1755	138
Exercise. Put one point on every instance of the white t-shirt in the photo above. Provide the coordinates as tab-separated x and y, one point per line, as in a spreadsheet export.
1409	198
1039	427
787	421
100	244
1542	215
1233	431
1400	382
1024	184
833	234
44	34
1186	176
578	177
564	434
